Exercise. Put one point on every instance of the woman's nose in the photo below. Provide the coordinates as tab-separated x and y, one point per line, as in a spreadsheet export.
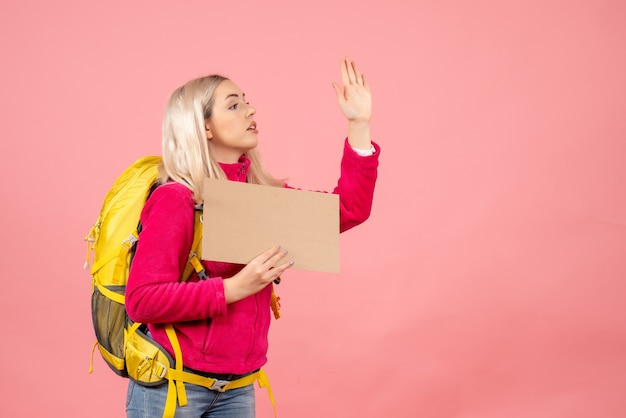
251	110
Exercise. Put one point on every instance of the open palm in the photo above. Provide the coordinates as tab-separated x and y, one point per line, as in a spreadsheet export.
354	97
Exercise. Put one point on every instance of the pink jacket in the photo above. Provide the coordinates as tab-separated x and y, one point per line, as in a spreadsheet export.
216	337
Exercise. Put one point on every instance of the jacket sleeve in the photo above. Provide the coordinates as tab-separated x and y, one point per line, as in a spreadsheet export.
356	186
154	293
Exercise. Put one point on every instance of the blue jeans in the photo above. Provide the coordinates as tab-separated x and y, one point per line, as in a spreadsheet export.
149	402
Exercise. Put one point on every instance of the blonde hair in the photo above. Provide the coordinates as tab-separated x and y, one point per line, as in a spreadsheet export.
186	156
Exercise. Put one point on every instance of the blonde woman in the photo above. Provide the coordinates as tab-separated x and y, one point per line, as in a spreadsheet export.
222	320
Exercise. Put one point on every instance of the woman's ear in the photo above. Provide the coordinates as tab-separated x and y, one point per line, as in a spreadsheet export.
209	134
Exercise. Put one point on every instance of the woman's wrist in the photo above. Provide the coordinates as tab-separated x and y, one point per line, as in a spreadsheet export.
231	291
359	134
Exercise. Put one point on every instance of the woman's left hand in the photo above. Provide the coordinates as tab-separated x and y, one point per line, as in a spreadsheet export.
354	97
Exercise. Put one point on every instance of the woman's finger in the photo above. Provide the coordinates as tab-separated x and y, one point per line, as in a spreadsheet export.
282	270
274	273
350	69
274	259
366	84
357	74
345	79
267	255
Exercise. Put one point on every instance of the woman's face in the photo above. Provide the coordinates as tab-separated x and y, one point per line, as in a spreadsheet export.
231	130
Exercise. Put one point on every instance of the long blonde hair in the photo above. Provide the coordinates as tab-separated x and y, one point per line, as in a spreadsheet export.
186	157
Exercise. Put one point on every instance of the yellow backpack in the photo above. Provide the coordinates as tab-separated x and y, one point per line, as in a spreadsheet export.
125	345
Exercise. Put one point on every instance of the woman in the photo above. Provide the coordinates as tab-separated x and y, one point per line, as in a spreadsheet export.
222	322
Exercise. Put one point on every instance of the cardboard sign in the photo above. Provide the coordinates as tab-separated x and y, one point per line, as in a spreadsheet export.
242	220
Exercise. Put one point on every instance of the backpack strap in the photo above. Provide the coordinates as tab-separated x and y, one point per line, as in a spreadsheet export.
177	378
194	263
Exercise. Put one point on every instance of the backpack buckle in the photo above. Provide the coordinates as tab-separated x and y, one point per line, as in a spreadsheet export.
129	242
219	385
161	370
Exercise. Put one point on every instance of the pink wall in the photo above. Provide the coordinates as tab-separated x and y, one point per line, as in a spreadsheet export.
489	281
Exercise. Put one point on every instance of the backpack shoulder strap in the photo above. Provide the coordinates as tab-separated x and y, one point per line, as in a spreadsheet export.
194	263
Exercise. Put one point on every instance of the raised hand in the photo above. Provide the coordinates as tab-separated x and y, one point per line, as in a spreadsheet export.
355	101
354	97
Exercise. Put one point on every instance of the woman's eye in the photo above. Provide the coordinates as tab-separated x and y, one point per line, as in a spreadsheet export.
234	107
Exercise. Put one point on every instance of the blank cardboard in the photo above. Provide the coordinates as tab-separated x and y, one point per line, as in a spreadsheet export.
242	220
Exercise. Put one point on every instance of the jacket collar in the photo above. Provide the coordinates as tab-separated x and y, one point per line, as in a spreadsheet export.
237	171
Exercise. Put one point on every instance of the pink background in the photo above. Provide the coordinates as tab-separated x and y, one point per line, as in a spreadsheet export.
490	279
